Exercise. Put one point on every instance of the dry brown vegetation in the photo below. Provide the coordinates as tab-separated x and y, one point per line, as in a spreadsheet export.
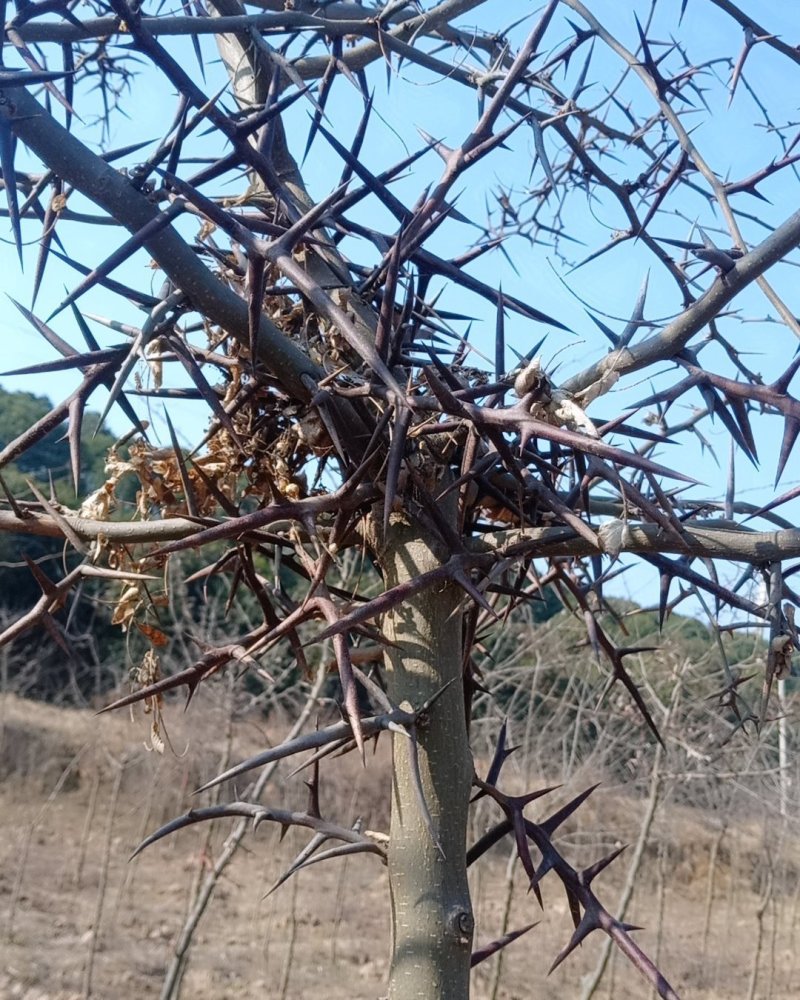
718	883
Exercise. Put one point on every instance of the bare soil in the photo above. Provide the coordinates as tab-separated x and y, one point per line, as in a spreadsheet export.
77	918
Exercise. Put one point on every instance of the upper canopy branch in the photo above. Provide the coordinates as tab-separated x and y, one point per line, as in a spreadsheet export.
338	21
676	335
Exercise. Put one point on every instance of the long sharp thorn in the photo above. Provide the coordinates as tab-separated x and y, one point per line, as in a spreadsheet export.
76	410
341	851
194	816
579	85
386	317
541	152
488	840
481	954
48	232
588	875
45	583
179	132
128	248
588	924
122	401
358	140
472	591
326	83
302	858
195	43
749	39
18	511
635	323
553	822
40	75
140	298
663	598
68	59
377	187
52	338
448	270
83	326
256	279
782	499
394	463
420	794
605	329
67	529
195	372
791	428
7	151
627	681
500	337
126	368
186	482
730	488
10	79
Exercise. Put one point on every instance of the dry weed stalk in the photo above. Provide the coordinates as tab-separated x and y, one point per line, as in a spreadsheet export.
102	884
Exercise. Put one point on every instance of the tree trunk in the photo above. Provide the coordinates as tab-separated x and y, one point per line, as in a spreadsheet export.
432	919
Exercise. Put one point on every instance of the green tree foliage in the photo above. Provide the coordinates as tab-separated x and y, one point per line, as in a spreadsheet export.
74	668
49	458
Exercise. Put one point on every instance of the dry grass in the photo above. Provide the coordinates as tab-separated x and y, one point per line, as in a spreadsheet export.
329	930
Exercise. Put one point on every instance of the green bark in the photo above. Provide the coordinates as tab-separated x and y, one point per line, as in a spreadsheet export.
431	912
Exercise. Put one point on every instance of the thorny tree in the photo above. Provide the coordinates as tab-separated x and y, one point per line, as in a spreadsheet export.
347	404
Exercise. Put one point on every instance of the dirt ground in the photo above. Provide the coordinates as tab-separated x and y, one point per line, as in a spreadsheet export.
78	919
